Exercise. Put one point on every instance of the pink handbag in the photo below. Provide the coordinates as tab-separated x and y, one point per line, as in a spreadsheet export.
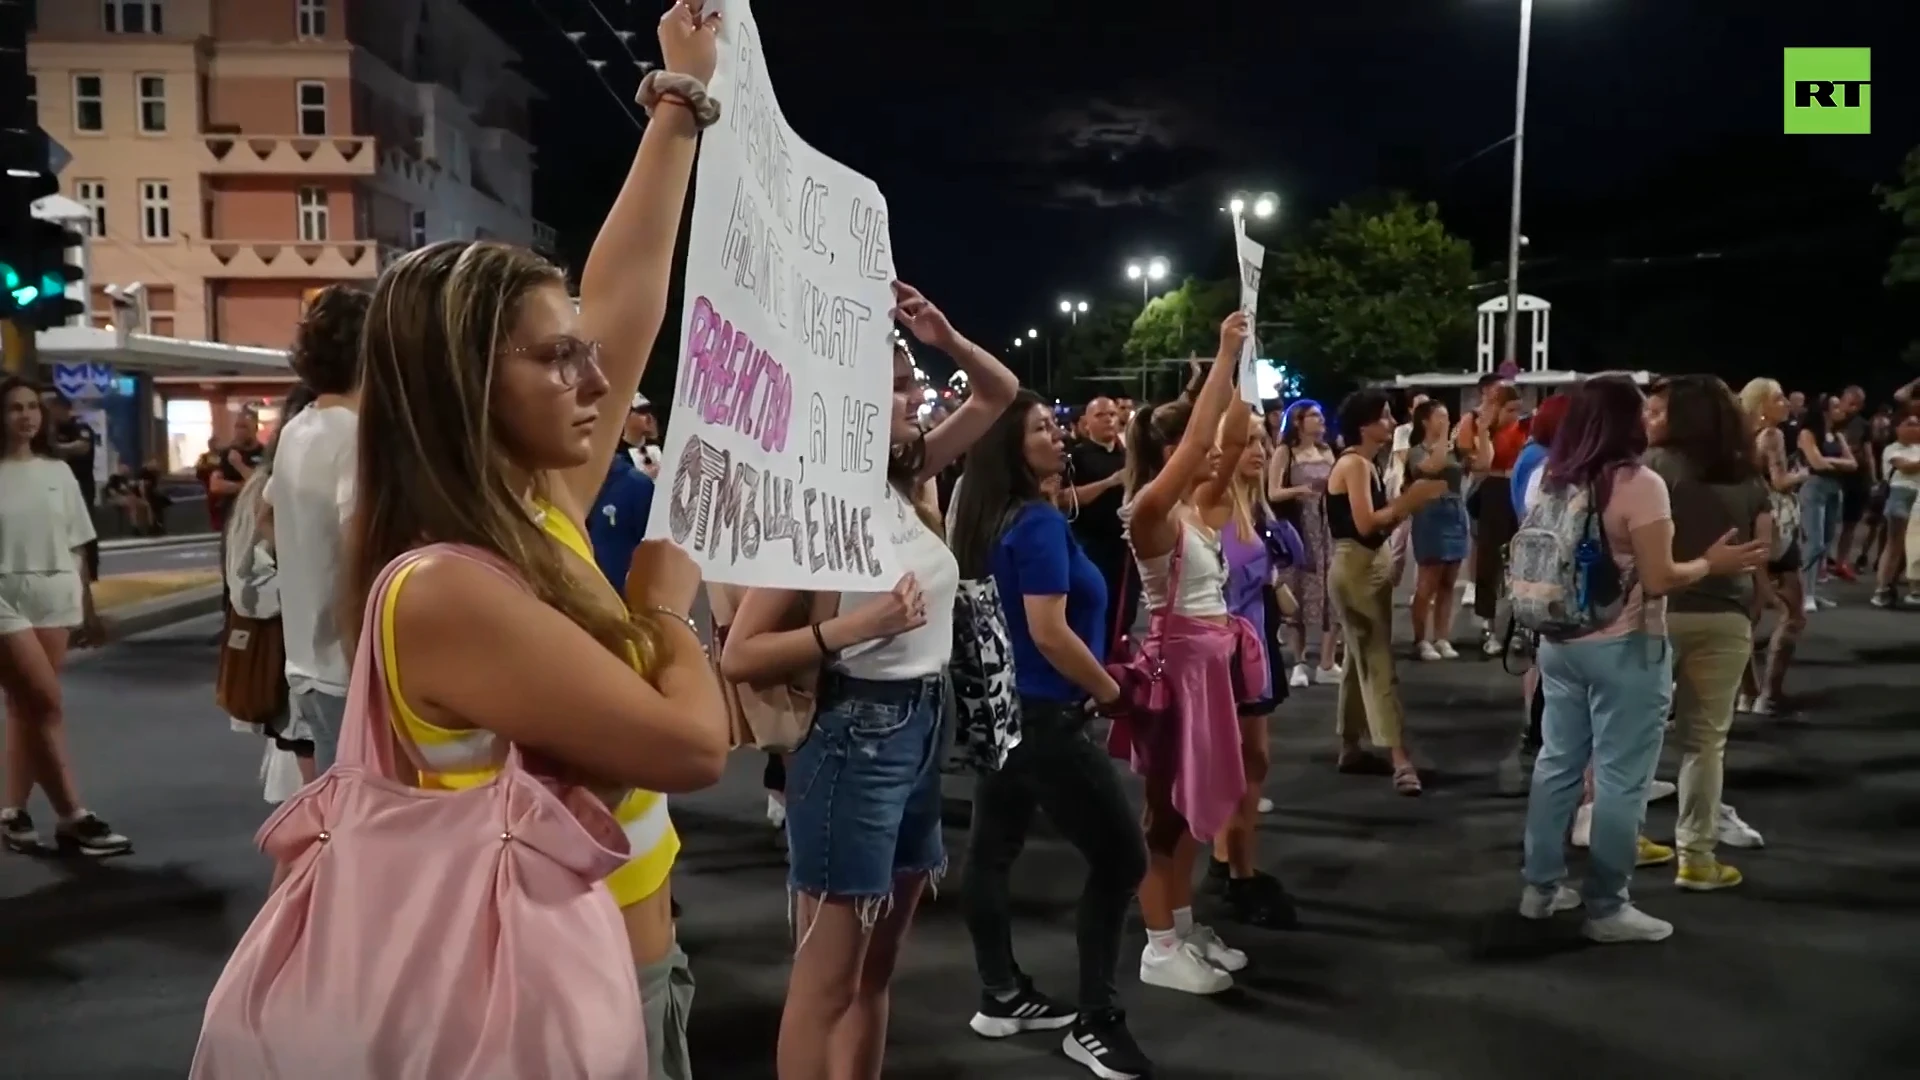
429	935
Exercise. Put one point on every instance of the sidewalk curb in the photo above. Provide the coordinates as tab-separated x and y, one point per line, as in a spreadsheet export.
161	611
147	543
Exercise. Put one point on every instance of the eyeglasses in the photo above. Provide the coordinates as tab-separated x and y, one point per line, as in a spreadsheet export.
571	359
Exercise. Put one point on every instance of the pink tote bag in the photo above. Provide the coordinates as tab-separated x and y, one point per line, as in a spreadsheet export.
429	935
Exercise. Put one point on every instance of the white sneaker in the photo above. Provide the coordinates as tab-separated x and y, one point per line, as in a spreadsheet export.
1426	651
1535	904
1445	649
1328	676
1743	705
1491	644
1765	706
776	812
1466	596
1809	605
1216	952
1582	826
1266	805
1183	969
1627	925
1299	678
1660	789
1737	833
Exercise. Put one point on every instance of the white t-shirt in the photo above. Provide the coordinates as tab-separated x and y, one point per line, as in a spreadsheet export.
42	517
311	492
1900	452
919	551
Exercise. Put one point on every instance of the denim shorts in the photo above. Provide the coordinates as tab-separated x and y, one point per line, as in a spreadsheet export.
323	714
1900	501
863	790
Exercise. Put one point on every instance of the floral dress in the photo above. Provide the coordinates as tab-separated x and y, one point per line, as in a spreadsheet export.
1309	580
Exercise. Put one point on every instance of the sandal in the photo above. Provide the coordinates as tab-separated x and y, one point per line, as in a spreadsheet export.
1406	780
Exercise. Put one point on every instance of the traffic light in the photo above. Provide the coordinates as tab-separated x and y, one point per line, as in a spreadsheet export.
44	294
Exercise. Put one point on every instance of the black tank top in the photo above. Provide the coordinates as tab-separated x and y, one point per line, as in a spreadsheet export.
1340	511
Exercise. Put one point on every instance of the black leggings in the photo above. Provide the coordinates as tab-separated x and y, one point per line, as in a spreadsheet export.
1056	768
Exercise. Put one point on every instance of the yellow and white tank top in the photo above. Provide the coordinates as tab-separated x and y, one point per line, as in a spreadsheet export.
468	758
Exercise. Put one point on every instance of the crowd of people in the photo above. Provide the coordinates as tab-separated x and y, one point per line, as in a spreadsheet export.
488	676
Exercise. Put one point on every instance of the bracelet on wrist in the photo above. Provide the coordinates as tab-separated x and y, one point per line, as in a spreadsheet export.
820	639
683	90
687	620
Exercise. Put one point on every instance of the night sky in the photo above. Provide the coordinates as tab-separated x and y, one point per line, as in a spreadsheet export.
1028	149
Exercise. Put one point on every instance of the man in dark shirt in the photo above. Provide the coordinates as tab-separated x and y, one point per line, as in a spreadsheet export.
1093	503
72	440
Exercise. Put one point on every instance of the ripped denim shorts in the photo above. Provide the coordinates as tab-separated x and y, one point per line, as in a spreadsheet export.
863	790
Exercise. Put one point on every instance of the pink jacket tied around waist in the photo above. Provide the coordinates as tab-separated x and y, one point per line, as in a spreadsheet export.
1180	720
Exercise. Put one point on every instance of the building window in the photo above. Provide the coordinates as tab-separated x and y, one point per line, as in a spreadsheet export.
92	194
133	16
156	210
313	214
159	325
313	108
313	18
417	229
153	103
89	107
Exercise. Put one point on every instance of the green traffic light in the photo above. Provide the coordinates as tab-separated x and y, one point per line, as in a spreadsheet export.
25	294
9	276
52	284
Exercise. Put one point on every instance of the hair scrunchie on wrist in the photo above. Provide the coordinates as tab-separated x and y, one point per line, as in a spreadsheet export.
681	89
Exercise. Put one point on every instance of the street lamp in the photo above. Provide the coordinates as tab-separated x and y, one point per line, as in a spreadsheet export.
1073	310
1514	240
1263	206
1154	269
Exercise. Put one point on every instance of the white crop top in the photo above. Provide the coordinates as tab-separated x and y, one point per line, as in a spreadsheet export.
1203	576
922	553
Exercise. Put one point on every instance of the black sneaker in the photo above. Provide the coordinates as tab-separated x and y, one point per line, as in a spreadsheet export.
1261	901
1027	1010
18	833
1217	874
1101	1042
90	836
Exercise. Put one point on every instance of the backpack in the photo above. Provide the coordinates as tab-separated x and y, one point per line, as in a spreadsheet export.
1561	575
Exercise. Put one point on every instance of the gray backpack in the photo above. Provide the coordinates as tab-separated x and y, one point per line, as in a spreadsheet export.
1561	575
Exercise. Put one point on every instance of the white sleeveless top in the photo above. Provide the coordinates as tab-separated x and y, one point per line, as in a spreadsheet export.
921	551
1203	575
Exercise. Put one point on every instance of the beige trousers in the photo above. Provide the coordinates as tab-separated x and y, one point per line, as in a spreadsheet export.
1360	580
1710	651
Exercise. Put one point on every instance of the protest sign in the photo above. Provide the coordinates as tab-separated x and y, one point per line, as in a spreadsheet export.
776	451
1250	257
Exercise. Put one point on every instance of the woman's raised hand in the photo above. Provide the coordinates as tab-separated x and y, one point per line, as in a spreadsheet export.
1233	336
689	40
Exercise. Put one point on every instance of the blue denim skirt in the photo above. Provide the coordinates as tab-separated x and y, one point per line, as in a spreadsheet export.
1440	531
863	790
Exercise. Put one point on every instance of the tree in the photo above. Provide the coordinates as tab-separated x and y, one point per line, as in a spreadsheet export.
1903	267
1092	344
1374	292
1184	322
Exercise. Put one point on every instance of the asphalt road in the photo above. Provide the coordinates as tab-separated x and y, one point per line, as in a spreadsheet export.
199	555
1409	963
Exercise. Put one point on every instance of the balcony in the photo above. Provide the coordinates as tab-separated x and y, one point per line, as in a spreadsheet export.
286	155
334	260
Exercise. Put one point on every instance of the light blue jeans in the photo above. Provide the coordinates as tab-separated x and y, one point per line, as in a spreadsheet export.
1821	506
1606	703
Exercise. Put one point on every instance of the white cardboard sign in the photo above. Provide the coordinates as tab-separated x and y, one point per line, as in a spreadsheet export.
1251	255
776	454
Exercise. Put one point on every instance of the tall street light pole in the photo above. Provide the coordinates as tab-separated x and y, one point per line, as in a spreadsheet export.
1146	274
1519	161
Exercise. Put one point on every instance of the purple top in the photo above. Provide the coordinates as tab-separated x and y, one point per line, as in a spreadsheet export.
1249	567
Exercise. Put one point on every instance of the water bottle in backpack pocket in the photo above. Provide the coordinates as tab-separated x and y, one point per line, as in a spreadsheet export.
1561	575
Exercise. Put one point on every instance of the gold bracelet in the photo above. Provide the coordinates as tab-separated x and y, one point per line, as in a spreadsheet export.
670	613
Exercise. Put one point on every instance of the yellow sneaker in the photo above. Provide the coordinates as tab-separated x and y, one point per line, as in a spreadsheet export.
1706	875
1652	854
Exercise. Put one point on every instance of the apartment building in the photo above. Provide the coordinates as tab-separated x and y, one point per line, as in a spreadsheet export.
236	154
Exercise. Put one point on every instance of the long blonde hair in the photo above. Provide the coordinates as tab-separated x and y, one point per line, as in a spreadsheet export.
433	467
1247	495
